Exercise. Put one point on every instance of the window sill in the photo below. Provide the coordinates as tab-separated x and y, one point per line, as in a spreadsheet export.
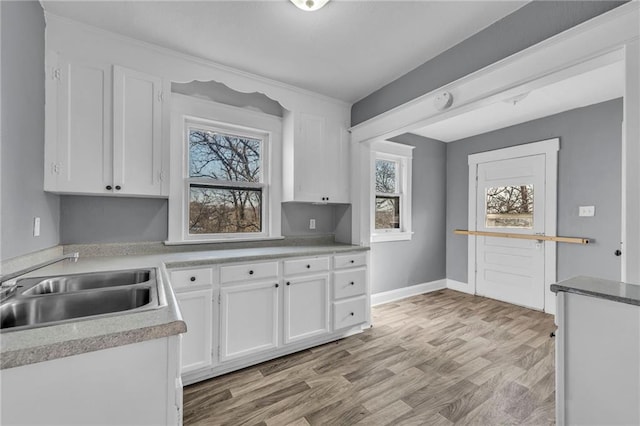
221	240
391	236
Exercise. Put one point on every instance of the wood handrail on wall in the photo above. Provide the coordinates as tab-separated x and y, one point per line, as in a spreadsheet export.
570	240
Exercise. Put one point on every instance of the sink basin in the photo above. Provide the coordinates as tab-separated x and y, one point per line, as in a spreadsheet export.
79	282
45	301
60	307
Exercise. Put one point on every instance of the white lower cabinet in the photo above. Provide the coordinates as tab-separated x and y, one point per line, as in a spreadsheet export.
197	313
248	319
306	307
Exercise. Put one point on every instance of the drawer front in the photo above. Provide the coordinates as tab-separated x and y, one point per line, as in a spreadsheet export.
248	271
349	260
301	266
349	283
347	313
185	278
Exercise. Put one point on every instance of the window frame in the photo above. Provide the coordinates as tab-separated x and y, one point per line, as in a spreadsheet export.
188	112
402	155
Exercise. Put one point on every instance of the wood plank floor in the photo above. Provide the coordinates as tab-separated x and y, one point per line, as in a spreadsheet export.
436	359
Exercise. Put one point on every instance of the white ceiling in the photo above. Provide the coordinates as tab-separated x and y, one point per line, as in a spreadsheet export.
346	50
599	85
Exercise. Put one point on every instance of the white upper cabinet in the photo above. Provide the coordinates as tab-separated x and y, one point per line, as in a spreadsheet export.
103	130
316	159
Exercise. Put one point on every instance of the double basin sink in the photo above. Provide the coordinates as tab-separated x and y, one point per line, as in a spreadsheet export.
46	301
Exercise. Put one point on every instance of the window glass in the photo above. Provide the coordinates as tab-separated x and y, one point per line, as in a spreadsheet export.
387	212
224	157
225	183
509	207
387	176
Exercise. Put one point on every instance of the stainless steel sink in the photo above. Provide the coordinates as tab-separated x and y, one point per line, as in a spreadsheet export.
47	301
29	311
79	282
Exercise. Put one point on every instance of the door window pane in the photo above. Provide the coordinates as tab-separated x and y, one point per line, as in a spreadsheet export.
509	207
387	212
217	210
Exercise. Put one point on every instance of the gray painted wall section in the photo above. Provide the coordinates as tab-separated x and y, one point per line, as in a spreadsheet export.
95	220
22	147
401	264
589	173
523	28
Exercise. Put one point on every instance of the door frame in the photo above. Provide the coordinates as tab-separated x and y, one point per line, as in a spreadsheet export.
549	148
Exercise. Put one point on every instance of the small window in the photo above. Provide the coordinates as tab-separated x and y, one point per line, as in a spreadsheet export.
391	191
387	195
509	207
226	185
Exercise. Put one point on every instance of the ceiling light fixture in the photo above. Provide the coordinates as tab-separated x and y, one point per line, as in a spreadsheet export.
309	5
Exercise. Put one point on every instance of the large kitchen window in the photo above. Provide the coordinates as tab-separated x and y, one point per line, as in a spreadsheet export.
391	191
224	161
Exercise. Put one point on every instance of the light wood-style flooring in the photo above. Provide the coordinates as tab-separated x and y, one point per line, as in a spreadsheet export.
435	359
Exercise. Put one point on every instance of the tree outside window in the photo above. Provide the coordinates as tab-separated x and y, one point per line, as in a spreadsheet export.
387	214
510	207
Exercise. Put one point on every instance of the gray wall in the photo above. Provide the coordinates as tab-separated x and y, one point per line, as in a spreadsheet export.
94	220
525	27
589	173
400	264
22	146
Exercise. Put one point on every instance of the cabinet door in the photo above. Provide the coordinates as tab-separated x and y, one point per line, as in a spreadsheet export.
196	308
82	134
248	319
337	174
310	153
306	307
137	142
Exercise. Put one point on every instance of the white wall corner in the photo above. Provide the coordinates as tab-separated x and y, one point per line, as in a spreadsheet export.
405	292
459	286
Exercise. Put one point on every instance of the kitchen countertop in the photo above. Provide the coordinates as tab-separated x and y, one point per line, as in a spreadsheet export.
24	347
601	288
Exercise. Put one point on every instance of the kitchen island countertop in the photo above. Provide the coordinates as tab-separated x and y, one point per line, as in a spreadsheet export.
604	289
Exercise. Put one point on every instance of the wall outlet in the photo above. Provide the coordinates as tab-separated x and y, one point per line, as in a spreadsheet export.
36	226
312	224
587	211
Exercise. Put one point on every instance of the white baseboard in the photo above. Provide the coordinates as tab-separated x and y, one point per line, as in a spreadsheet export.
404	292
459	286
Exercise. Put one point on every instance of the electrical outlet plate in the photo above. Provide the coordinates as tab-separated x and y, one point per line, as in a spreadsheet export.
587	211
36	226
312	224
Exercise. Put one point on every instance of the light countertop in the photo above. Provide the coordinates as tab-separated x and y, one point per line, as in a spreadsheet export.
24	347
600	288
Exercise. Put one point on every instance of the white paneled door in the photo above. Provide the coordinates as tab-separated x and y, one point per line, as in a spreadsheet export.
510	198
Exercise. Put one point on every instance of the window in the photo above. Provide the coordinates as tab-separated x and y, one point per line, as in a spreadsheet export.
226	188
223	162
391	191
509	207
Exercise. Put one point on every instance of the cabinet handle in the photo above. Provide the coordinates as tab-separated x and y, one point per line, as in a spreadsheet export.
351	314
251	272
277	285
118	187
617	253
288	283
308	266
327	198
108	187
352	261
352	283
192	279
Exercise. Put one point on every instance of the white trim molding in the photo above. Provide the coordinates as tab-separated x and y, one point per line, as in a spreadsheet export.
549	148
405	292
459	286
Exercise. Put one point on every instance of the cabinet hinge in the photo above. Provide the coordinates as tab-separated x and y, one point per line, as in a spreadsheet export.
161	96
55	168
161	175
55	74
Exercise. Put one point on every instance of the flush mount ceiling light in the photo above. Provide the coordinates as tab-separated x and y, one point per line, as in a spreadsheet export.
309	5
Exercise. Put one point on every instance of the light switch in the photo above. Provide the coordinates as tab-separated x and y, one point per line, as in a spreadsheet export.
587	211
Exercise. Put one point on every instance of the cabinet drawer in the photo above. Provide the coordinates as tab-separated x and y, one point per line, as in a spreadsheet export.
300	266
349	312
248	271
349	283
349	260
186	278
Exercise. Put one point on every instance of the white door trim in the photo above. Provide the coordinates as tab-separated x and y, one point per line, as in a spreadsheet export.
549	148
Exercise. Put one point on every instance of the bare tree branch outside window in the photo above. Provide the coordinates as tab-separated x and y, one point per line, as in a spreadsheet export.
510	206
387	214
224	158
